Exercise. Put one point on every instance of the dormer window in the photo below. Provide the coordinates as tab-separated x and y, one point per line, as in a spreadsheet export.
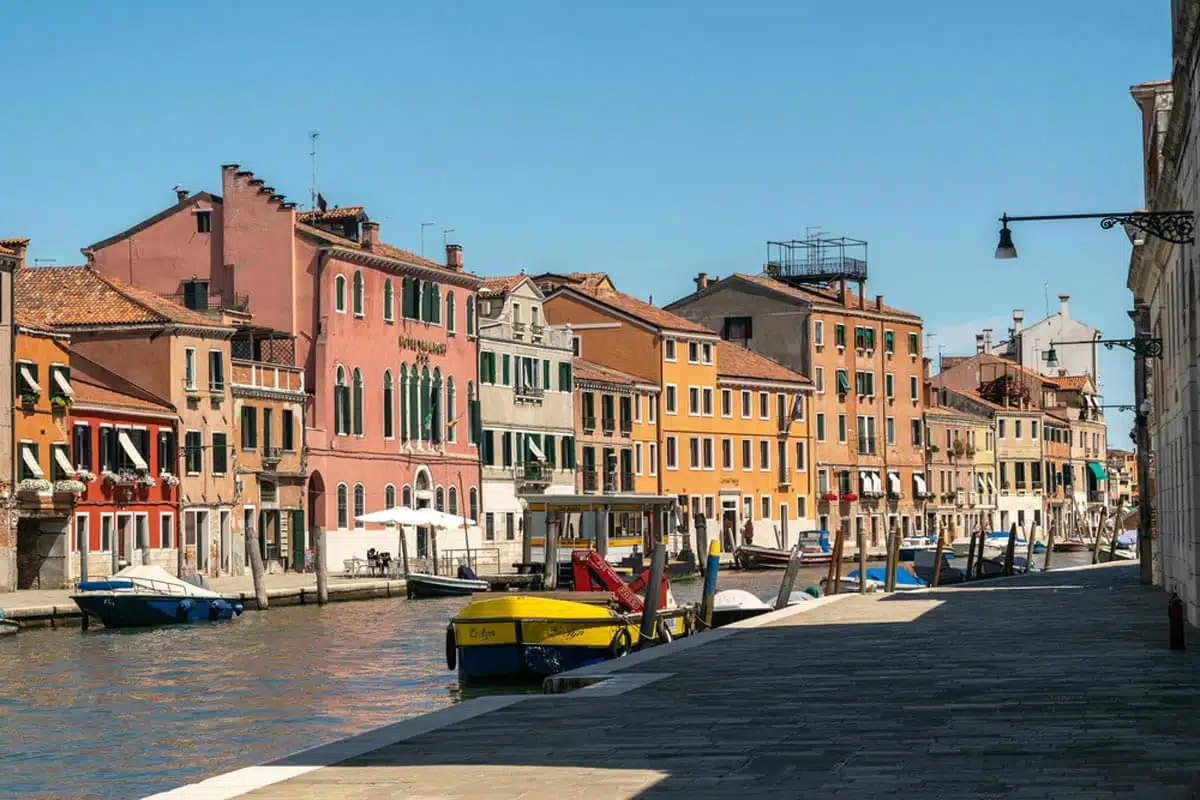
203	221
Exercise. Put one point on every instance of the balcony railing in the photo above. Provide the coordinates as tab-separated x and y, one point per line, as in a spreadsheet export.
589	424
866	445
533	475
261	375
609	425
545	335
272	456
529	392
590	480
626	426
212	301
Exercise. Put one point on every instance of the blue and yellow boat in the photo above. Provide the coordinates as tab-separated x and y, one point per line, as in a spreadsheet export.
522	637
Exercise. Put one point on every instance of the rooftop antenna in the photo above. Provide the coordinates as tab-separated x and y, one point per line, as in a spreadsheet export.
1046	292
37	262
446	232
312	154
424	225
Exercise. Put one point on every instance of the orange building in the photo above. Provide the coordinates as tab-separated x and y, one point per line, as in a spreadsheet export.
44	486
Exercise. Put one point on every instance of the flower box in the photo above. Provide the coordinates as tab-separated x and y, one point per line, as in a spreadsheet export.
871	495
60	401
829	497
70	486
894	495
34	485
849	497
84	476
168	479
29	398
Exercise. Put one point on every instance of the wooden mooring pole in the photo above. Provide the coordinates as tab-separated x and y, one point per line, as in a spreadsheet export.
789	577
937	561
1033	529
658	562
1010	552
319	556
971	553
1049	546
860	541
256	571
834	578
711	568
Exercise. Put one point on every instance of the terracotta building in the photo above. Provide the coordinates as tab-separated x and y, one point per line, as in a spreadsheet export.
12	254
960	468
380	334
865	362
124	446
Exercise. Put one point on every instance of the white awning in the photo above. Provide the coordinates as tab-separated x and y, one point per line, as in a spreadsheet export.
64	463
894	482
533	448
1093	402
64	385
979	482
30	383
131	451
31	463
920	481
991	482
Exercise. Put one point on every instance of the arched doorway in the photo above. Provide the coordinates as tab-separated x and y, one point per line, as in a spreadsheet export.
423	498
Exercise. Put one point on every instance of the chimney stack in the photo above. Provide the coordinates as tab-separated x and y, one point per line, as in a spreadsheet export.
987	340
1018	318
879	302
979	346
181	194
1063	309
701	281
370	234
454	259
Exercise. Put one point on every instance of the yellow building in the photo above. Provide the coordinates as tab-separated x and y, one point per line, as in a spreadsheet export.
727	432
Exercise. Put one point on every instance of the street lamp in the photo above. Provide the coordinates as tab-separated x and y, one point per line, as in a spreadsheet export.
1172	226
1144	346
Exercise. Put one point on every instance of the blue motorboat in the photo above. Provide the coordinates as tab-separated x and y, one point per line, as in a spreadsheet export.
141	596
906	580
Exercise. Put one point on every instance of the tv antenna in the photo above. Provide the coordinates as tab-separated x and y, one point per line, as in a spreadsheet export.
446	232
37	262
312	154
424	225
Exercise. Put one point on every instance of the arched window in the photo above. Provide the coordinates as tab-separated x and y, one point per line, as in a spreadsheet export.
388	411
435	403
406	289
452	500
360	503
339	293
342	508
358	293
474	506
426	406
389	496
439	499
358	402
450	312
403	391
387	300
406	496
341	403
414	405
435	303
451	427
470	316
414	312
472	420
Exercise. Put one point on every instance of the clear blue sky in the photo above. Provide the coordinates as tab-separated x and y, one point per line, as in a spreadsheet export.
650	140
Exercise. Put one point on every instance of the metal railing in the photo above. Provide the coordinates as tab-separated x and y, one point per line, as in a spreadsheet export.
529	392
626	426
533	472
483	560
589	423
590	480
608	424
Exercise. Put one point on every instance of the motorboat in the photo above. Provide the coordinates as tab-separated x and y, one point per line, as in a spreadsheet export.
910	546
421	585
953	570
1127	549
906	580
142	595
735	605
814	549
8	626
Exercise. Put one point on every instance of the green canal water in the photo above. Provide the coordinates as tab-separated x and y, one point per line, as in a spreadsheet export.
117	714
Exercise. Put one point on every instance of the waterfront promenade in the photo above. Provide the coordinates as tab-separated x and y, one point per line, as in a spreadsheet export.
1051	685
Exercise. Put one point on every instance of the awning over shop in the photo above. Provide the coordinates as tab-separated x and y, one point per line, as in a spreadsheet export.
1097	470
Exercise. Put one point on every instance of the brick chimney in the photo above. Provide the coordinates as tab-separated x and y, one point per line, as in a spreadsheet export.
979	346
1018	318
879	302
1063	308
701	281
370	234
454	258
181	194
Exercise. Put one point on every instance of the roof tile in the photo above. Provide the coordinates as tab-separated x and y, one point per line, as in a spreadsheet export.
591	371
329	213
501	284
67	296
817	294
735	361
627	304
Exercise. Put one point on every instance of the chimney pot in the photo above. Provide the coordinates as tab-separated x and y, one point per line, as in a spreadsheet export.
454	257
370	234
1063	308
181	194
701	281
879	302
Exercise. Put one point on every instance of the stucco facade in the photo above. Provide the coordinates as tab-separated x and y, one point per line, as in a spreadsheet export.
960	469
12	254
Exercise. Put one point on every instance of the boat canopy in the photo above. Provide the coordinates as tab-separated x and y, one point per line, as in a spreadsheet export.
150	579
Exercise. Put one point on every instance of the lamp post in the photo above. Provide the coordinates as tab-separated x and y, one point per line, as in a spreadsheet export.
1173	226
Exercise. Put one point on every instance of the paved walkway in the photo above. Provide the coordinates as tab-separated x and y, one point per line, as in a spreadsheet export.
1057	685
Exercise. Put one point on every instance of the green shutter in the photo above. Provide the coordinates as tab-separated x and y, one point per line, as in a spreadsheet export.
548	449
504	363
546	375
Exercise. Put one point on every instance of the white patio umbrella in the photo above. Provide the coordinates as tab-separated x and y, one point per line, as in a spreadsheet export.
403	515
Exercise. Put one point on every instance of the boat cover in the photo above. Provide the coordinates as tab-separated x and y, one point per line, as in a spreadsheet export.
150	579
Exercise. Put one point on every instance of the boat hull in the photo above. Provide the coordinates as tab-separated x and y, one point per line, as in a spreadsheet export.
727	616
423	586
8	627
134	611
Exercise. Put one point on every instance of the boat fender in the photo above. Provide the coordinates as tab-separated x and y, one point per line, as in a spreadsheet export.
621	644
451	648
214	611
664	631
182	611
238	608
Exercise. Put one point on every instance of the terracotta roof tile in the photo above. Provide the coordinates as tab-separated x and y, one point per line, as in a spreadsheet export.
591	371
380	248
501	284
90	390
66	296
14	241
1071	382
816	294
627	304
329	213
33	319
4	251
735	361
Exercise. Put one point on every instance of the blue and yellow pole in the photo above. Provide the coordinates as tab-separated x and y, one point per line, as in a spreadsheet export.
710	580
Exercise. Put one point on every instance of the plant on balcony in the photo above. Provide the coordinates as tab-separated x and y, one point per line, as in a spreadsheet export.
83	476
1006	486
60	401
145	479
109	477
29	398
893	495
959	448
926	496
949	497
871	495
168	479
70	486
33	485
970	450
849	497
829	497
933	448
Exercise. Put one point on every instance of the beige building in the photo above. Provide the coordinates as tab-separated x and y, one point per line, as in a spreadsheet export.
960	467
12	254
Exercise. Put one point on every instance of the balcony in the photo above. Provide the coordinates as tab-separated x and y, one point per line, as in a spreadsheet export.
590	479
536	332
608	424
544	335
626	426
518	331
867	445
529	394
589	424
259	375
204	301
533	476
271	457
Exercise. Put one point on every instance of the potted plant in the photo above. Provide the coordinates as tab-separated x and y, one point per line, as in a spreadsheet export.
933	448
893	496
145	479
829	497
84	476
168	479
959	448
849	497
870	495
69	486
29	398
60	402
33	486
108	477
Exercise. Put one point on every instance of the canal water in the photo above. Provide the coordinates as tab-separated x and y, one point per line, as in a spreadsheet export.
117	714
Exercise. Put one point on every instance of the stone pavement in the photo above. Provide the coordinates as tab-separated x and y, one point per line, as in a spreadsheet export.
1057	685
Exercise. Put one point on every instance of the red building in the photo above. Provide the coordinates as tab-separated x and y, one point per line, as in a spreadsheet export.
386	339
124	450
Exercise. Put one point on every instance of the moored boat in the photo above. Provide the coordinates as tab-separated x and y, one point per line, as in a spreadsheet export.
906	580
814	549
421	585
141	596
8	626
735	605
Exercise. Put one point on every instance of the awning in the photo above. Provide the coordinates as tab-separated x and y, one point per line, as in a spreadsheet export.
980	483
1097	470
64	463
843	383
871	479
1093	402
131	451
919	480
991	483
64	385
533	448
894	482
31	462
30	383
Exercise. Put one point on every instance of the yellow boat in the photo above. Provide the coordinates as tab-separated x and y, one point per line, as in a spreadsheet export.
521	636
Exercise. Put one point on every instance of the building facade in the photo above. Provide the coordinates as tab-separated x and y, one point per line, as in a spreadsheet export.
864	359
960	469
525	395
1054	346
124	445
12	255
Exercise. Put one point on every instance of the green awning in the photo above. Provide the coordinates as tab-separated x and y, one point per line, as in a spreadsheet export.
1097	470
843	382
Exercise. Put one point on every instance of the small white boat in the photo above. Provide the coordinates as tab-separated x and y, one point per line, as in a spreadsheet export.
735	605
420	585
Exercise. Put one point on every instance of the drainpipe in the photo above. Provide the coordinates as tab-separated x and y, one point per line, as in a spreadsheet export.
1141	369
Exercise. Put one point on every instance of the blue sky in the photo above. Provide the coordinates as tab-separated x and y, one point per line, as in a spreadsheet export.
650	140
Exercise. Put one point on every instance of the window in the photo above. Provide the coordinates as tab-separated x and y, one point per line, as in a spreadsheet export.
801	506
693	352
195	295
1001	433
288	430
708	453
694	452
358	402
473	494
58	457
864	383
764	455
818	333
81	447
670	402
706	395
1033	430
60	384
747	411
166	451
358	293
189	368
913	389
765	507
864	338
737	329
505	370
706	353
451	414
889	386
166	531
672	455
203	221
843	383
389	496
106	531
360	504
889	341
564	376
343	507
916	432
669	349
889	424
637	458
249	428
220	454
841	427
914	346
653	458
839	335
389	423
510	527
216	371
339	294
747	455
470	316
727	454
1017	429
820	426
764	405
193	451
694	401
819	379
489	526
801	462
388	301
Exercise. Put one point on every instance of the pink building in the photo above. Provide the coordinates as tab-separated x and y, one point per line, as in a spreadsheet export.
386	339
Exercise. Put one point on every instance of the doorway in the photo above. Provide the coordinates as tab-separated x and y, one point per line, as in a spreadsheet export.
124	537
729	523
41	554
226	545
